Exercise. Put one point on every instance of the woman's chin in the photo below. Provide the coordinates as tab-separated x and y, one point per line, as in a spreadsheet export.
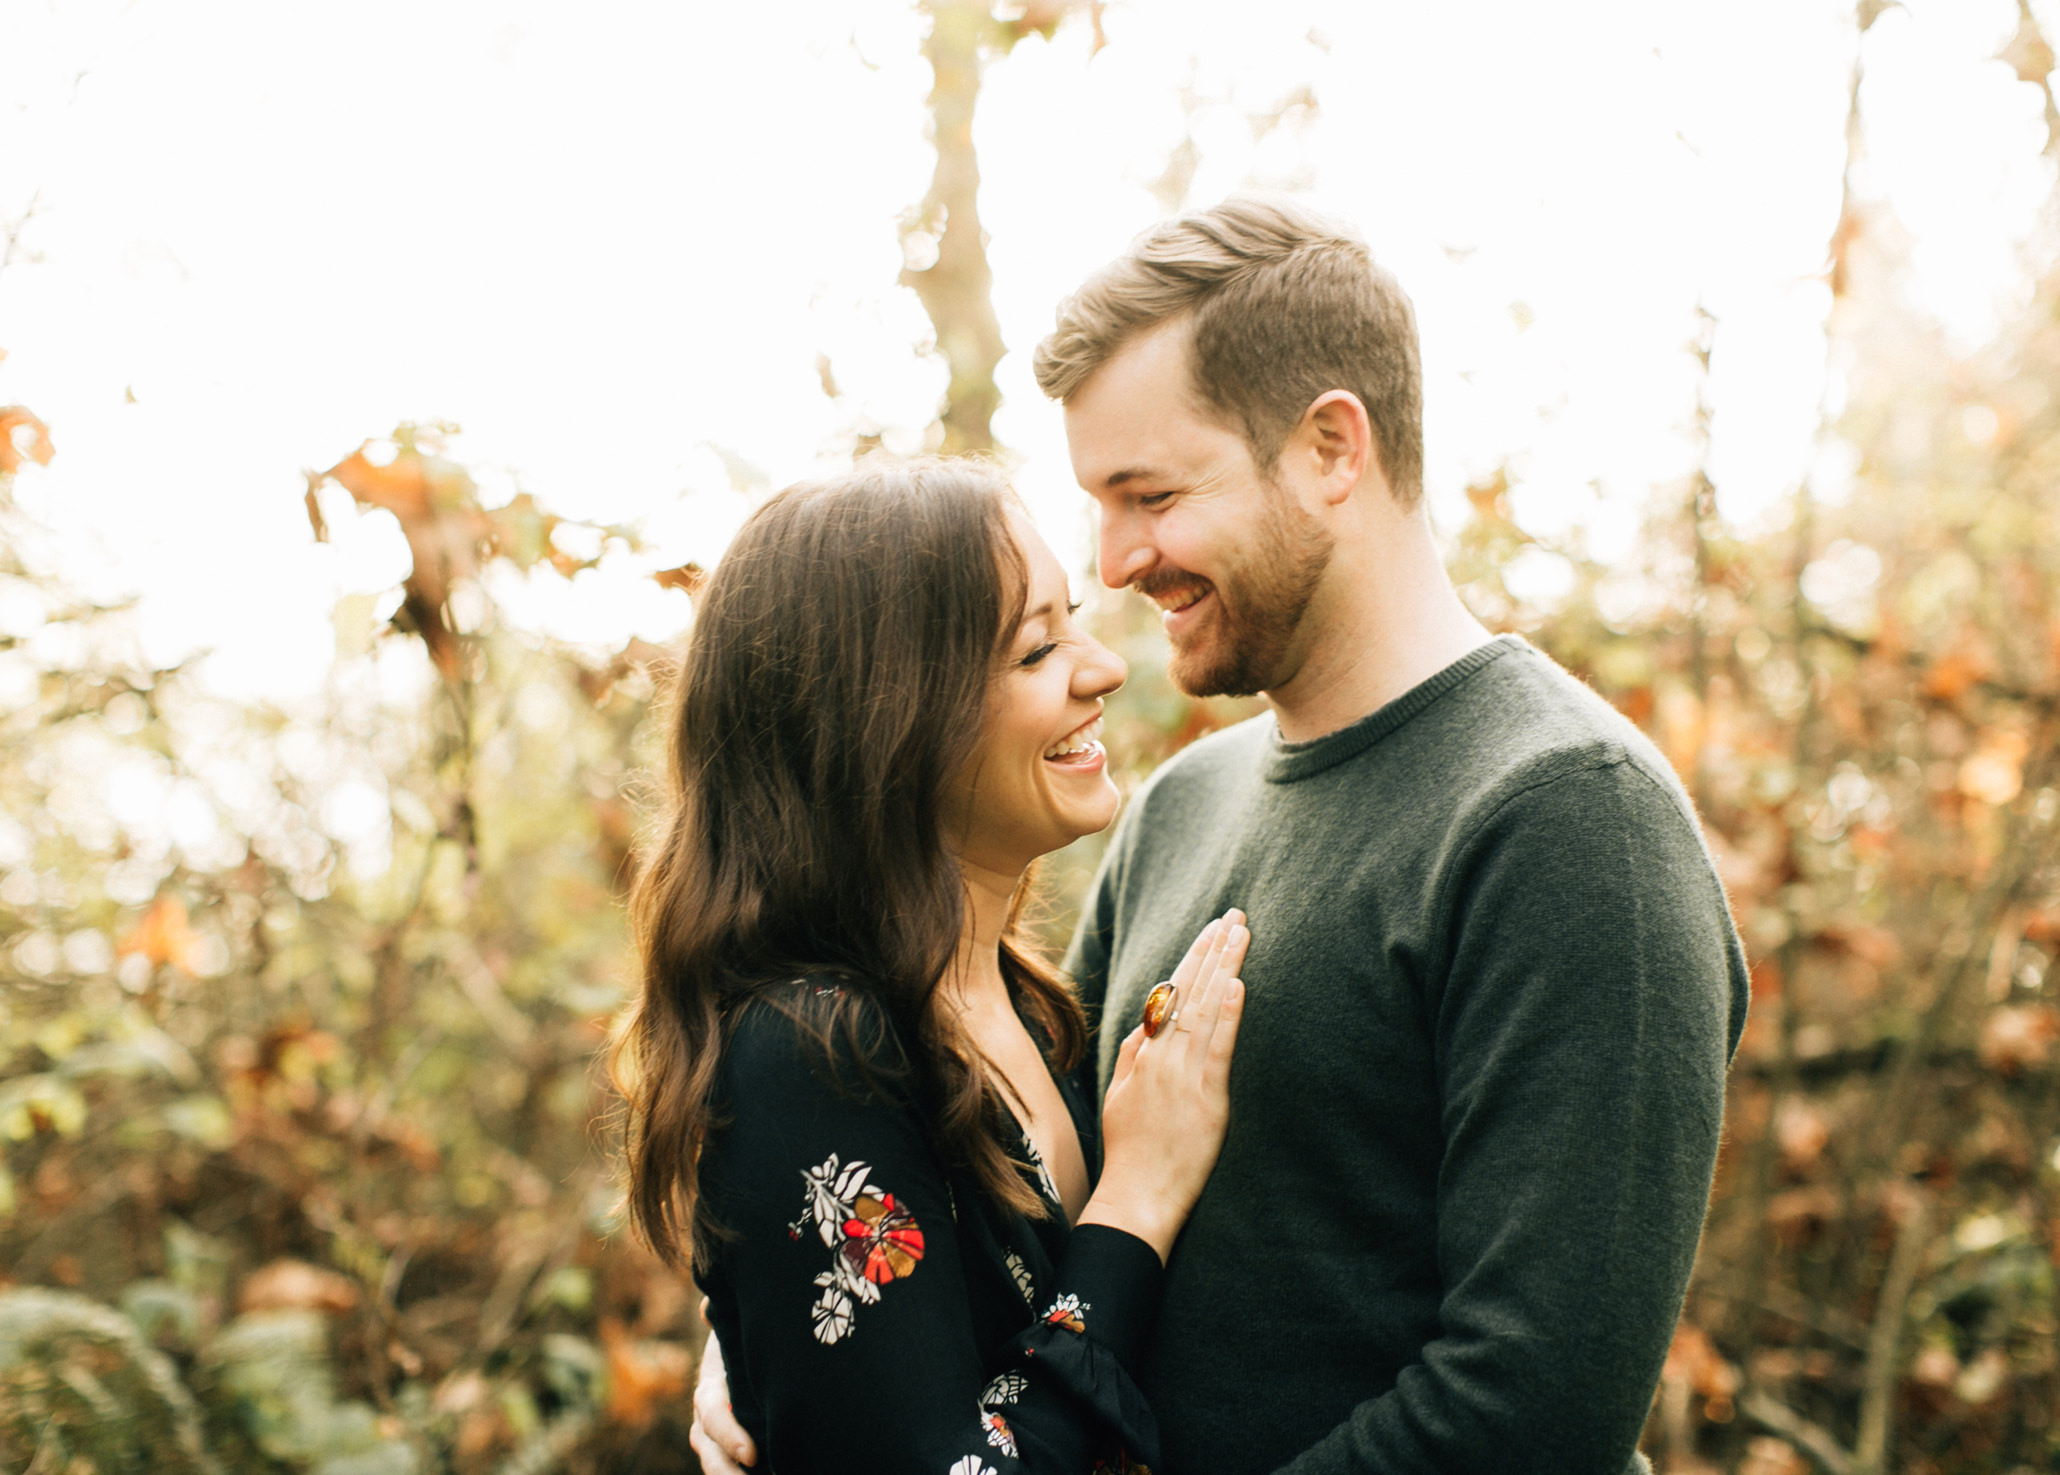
1092	820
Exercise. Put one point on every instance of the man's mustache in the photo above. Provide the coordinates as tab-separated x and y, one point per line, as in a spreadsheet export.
1162	583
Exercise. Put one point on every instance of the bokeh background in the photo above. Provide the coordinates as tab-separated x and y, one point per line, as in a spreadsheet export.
382	378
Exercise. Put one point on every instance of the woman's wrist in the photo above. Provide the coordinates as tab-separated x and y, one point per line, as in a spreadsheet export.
1146	1221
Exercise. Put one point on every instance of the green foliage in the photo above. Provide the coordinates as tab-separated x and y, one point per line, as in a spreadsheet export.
79	1384
298	1034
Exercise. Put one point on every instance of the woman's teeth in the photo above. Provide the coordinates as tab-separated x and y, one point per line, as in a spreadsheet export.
1077	741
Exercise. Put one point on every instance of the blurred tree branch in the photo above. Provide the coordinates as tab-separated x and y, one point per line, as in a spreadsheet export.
942	237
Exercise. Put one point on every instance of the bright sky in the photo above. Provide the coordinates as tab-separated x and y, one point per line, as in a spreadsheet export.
608	239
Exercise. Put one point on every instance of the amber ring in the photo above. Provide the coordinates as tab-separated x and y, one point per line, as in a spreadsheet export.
1158	1007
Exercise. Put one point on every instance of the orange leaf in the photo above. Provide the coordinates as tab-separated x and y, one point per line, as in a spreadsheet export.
13	418
1693	1359
399	486
1490	498
162	935
1949	678
688	578
641	1374
1994	772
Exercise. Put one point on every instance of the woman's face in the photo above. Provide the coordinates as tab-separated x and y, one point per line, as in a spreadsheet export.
1039	779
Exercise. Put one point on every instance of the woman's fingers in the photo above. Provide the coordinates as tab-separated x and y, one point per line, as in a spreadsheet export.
1198	1014
1197	951
1126	1054
1216	1060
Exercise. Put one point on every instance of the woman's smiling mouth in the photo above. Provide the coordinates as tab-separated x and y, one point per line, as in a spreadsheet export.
1079	748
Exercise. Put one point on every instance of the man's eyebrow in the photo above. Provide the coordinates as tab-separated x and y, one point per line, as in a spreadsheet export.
1129	474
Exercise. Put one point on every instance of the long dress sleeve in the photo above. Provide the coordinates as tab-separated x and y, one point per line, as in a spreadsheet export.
854	1308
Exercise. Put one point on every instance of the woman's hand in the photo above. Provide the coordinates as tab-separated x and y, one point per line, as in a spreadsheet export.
1169	1101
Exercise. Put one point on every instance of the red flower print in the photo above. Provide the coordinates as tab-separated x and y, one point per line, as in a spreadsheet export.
881	1240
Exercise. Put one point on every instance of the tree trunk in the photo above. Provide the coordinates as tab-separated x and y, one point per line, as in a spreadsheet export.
957	288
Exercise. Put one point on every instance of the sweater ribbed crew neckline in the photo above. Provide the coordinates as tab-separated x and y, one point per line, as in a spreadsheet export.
1287	762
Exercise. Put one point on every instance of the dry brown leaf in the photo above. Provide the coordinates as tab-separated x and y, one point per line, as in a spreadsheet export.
1694	1360
1803	1133
642	1374
688	578
2019	1037
296	1285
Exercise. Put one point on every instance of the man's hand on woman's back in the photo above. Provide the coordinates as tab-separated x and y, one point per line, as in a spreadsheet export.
720	1441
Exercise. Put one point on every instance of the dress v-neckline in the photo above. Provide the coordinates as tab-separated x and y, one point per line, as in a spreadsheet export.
1040	1170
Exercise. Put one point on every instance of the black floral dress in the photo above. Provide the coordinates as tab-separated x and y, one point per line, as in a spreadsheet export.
878	1312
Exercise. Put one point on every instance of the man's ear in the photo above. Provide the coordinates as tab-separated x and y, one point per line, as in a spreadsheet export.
1337	435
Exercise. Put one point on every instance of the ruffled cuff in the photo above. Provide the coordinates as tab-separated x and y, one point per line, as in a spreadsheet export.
1091	1335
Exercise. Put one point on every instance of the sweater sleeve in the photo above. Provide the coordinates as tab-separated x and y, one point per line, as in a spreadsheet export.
843	1300
1592	994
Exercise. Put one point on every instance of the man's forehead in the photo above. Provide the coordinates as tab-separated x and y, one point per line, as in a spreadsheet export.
1139	416
1155	363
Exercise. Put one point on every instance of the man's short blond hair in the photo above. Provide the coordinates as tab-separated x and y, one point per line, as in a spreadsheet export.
1286	306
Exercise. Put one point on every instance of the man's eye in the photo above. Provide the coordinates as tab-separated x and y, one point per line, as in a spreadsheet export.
1040	653
1156	499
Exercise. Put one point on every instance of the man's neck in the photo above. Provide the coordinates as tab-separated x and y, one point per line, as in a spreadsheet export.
1379	629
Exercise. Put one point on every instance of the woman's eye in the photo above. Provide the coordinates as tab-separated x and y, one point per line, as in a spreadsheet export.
1040	653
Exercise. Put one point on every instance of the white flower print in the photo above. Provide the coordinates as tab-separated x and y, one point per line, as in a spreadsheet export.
1045	1184
1021	1274
872	1240
831	1192
970	1465
1069	1311
830	1316
999	1434
1005	1389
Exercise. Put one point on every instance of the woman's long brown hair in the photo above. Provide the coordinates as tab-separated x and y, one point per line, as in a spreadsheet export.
835	679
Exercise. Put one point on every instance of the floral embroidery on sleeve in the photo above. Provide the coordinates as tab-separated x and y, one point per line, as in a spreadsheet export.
1003	1391
872	1240
1069	1311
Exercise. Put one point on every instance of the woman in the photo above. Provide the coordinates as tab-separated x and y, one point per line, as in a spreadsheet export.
847	1071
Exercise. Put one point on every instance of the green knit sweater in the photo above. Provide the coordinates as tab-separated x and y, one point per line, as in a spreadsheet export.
1493	987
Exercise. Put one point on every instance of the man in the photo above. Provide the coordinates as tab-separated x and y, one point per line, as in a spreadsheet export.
1493	984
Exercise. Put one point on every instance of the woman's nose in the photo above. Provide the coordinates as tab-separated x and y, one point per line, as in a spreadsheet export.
1102	672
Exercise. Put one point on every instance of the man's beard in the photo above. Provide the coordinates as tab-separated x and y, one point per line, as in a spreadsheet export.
1242	645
